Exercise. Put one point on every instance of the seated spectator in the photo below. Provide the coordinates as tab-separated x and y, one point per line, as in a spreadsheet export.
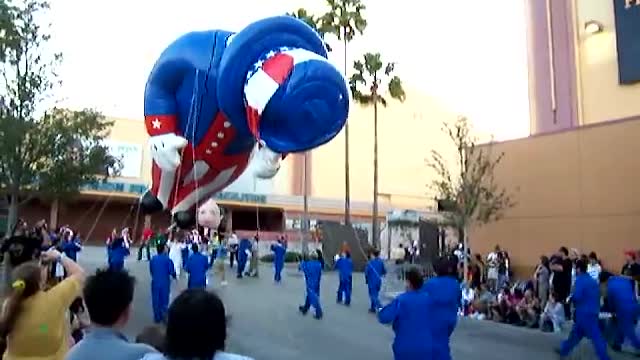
33	321
482	303
552	318
108	296
505	309
196	328
153	336
528	309
468	296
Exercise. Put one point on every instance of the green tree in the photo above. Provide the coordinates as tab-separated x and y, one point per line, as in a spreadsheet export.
49	155
372	81
469	195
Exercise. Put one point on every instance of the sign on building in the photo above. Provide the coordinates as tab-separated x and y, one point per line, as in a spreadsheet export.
627	17
129	154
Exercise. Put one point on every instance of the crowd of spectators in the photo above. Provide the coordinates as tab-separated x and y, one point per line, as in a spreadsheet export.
541	301
68	315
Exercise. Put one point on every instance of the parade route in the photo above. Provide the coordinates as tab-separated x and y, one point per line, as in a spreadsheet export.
265	323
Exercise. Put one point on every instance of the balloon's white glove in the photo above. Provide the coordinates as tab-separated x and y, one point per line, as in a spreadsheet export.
165	150
266	162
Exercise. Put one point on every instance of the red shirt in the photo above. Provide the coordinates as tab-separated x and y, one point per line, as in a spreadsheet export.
147	233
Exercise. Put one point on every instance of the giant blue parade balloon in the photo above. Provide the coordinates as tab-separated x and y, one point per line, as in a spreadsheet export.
216	99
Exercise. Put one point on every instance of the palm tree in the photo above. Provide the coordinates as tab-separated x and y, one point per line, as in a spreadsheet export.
314	23
345	20
372	74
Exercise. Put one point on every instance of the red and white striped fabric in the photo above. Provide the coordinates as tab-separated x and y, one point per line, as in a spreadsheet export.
265	82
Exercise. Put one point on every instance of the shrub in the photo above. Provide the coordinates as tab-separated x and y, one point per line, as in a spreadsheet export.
289	257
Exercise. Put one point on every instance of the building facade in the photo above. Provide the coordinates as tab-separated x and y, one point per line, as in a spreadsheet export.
575	178
275	206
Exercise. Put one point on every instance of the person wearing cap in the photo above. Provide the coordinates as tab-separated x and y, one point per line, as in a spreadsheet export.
344	265
262	93
623	303
279	250
312	270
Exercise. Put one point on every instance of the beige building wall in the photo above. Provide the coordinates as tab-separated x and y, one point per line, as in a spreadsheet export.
576	188
407	132
603	98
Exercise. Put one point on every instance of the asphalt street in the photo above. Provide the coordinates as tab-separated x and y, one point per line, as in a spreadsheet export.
266	325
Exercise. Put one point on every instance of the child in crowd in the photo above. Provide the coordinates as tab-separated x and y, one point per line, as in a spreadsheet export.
552	318
528	309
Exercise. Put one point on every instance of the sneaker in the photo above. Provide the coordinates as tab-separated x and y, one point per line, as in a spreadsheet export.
317	316
302	310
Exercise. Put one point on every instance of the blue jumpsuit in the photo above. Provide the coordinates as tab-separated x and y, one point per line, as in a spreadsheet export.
116	255
162	270
197	266
443	302
373	274
70	248
278	260
344	265
586	299
624	304
312	270
243	246
410	315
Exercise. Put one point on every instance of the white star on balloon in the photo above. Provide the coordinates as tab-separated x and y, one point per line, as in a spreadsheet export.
156	124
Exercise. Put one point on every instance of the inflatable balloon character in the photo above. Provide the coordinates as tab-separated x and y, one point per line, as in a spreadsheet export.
209	215
214	99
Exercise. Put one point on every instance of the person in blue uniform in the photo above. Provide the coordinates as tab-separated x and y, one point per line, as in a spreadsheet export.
410	315
344	265
162	271
444	296
70	247
586	300
312	270
373	274
244	250
623	303
197	266
117	251
279	250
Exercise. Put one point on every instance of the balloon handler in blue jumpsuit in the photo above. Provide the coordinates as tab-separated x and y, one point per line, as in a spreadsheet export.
279	250
244	251
344	265
444	299
373	274
116	253
162	271
623	303
312	270
586	300
410	315
197	267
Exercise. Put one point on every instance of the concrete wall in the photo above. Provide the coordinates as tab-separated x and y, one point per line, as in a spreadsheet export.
576	188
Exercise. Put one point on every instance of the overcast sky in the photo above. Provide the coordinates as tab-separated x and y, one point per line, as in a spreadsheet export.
470	54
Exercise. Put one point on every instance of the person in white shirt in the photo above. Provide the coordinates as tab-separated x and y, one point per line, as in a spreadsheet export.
593	268
552	315
468	296
233	248
492	269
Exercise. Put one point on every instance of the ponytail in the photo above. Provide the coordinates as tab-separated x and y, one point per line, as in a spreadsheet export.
26	282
